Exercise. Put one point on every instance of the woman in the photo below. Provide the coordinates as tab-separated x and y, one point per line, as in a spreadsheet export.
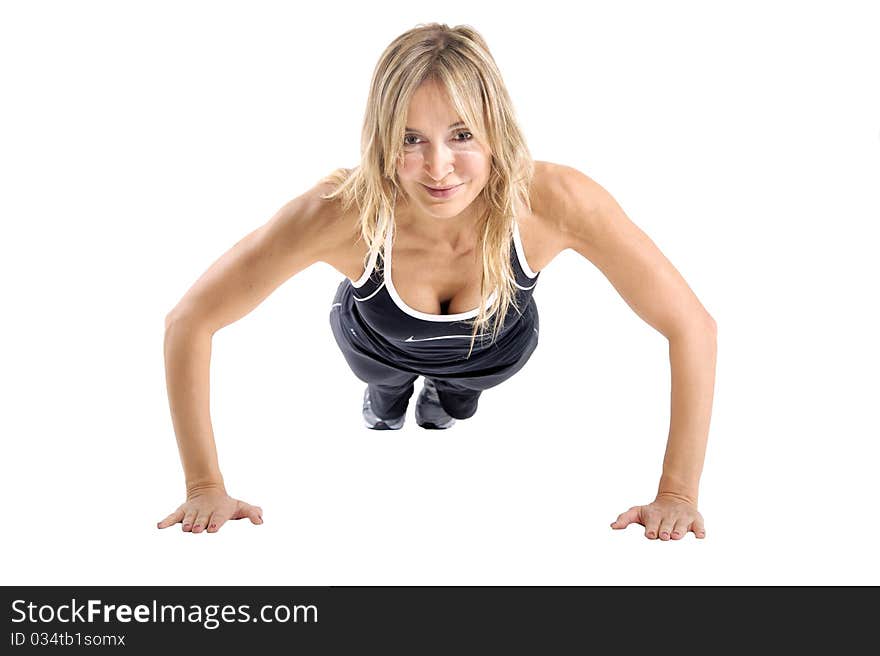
447	193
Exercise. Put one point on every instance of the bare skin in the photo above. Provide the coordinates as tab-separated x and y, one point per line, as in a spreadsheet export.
569	210
208	510
436	270
432	275
442	277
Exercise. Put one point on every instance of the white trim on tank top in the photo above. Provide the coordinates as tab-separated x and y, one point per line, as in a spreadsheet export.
367	271
424	316
520	253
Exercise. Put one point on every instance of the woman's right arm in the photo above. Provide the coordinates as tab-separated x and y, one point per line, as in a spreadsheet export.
305	230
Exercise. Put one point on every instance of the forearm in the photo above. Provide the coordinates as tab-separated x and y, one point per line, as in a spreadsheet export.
692	357
187	376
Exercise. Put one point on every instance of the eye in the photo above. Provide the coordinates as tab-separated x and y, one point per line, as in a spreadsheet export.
457	134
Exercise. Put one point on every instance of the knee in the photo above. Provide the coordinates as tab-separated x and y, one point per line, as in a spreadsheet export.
464	413
459	407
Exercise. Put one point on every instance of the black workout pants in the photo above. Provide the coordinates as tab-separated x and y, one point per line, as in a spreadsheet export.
391	387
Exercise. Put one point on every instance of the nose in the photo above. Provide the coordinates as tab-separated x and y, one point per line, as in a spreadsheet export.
439	162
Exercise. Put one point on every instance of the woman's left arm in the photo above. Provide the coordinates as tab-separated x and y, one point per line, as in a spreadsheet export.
592	223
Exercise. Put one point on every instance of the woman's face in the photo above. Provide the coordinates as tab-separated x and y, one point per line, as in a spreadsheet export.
439	152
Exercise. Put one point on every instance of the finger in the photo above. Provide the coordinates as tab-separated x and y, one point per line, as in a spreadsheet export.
652	526
172	519
679	530
201	522
188	520
625	519
665	530
256	514
215	522
698	528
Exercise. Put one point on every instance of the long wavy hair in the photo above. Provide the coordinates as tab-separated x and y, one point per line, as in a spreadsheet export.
459	59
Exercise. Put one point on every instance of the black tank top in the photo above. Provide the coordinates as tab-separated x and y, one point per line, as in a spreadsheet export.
378	321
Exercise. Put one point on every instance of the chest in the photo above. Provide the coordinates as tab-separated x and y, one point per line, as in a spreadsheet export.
435	281
440	281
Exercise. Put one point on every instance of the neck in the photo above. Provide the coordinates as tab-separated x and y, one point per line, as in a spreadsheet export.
454	231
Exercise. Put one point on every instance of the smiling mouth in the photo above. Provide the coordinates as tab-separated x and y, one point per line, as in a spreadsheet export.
442	188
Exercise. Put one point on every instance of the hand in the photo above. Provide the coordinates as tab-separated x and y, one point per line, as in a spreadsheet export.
667	517
210	509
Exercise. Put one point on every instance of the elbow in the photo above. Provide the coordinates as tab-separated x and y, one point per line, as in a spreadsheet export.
713	327
176	317
702	328
187	322
170	318
706	326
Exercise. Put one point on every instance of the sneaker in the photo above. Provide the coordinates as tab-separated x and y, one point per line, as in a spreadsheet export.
374	422
429	413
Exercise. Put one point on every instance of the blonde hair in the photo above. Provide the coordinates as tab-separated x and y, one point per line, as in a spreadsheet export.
459	59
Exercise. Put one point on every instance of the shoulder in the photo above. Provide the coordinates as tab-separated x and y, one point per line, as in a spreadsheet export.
559	195
308	229
311	220
568	202
559	190
541	233
338	230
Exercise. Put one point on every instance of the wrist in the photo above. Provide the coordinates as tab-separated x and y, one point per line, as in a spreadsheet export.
196	487
675	488
688	499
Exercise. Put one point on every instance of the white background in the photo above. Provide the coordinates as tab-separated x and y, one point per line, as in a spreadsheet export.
140	141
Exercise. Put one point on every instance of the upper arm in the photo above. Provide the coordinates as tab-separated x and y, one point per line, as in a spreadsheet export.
593	224
299	234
